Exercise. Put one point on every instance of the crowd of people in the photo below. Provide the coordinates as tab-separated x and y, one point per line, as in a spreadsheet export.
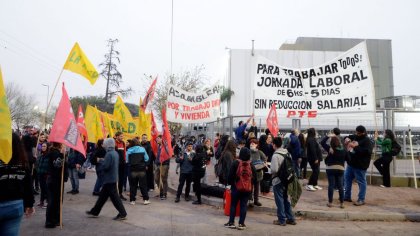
249	164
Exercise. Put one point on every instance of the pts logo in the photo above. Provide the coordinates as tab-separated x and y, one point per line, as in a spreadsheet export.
300	114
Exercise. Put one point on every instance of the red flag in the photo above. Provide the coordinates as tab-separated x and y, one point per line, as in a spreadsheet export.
167	151
272	123
149	95
155	133
81	125
64	129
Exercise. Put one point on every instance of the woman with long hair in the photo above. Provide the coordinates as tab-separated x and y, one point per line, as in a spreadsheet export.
382	164
16	197
314	156
42	163
228	156
97	160
199	162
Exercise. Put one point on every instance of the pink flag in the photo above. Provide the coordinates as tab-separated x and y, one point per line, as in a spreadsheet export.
272	123
149	95
65	129
167	151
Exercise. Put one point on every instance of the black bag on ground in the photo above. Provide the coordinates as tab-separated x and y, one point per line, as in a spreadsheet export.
213	191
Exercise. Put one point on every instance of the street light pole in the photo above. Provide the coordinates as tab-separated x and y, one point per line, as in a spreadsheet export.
46	109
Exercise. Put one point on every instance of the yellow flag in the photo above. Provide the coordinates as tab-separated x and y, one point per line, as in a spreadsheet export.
5	126
107	124
93	124
121	113
77	62
145	122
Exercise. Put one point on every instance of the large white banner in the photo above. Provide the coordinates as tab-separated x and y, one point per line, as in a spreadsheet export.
345	84
185	107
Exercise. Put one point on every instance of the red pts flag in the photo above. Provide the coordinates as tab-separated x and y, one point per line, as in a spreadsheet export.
64	129
167	151
154	133
272	123
81	125
149	95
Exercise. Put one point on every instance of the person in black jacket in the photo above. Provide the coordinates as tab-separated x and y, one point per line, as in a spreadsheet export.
334	167
75	162
360	148
185	161
242	197
198	171
314	155
56	163
149	172
137	159
16	196
97	159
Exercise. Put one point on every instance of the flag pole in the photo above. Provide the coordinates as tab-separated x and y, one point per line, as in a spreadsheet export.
61	190
52	94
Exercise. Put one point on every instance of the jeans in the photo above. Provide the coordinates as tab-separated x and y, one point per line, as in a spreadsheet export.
254	196
242	197
284	209
183	177
360	176
313	180
109	190
74	179
43	184
138	178
163	187
11	213
335	179
99	180
382	164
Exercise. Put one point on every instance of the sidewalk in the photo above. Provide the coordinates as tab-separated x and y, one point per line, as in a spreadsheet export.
391	204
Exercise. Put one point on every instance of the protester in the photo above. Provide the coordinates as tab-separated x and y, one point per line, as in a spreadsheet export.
185	162
221	146
268	151
284	208
334	167
120	147
216	141
304	163
28	144
208	148
97	160
294	150
237	194
109	188
16	196
382	164
55	181
75	162
360	148
239	132
149	172
161	170
226	160
43	165
258	160
314	156
137	159
199	162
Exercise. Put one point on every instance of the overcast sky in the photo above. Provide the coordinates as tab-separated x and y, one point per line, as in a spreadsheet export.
37	36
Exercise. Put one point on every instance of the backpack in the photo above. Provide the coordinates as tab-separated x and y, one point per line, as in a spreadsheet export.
395	148
244	176
286	171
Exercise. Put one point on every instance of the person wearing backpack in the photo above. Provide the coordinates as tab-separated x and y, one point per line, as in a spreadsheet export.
382	164
284	207
138	159
241	176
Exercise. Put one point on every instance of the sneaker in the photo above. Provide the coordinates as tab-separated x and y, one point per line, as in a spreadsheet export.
317	187
75	192
347	200
241	226
342	205
257	204
329	204
196	202
123	198
91	215
310	188
382	186
132	203
44	206
71	192
277	222
177	199
230	225
359	203
41	204
291	222
250	204
95	193
187	199
146	202
120	217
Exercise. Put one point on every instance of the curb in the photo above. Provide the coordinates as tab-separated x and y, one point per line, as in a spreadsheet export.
321	215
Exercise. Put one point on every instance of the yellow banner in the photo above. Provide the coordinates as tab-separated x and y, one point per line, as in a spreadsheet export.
122	114
93	124
5	126
77	62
